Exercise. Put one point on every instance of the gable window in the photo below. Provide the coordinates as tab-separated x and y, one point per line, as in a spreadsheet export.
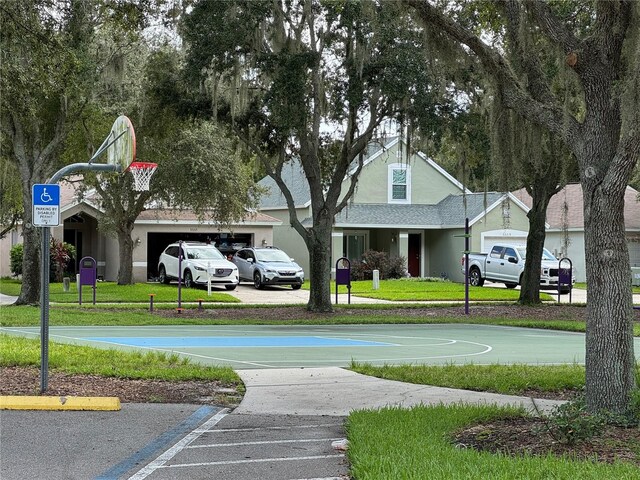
399	187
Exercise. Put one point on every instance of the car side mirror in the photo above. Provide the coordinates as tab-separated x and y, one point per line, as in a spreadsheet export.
512	260
291	259
250	260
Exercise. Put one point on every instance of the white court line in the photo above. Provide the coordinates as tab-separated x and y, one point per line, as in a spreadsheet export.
265	442
178	447
288	427
253	460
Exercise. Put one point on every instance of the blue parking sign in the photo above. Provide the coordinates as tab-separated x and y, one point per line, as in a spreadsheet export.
46	205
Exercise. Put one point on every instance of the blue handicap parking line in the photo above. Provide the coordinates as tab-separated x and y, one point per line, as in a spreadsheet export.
235	342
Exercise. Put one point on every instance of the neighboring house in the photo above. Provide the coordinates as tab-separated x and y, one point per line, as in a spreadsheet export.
154	229
410	208
565	233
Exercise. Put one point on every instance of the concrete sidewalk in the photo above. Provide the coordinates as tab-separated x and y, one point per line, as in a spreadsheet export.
335	391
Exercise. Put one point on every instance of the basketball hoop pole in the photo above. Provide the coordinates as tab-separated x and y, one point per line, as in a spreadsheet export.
44	269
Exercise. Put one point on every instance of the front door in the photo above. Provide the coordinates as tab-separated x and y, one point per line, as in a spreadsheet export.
413	262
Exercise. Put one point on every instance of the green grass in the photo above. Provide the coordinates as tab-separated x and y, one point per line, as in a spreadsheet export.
425	289
18	351
583	286
399	444
512	379
110	292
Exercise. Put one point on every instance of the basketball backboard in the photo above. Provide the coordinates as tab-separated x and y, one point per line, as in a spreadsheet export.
122	138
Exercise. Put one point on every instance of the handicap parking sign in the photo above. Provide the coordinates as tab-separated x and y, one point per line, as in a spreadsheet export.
46	205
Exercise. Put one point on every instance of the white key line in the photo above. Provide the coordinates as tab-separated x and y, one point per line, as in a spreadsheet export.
265	442
253	460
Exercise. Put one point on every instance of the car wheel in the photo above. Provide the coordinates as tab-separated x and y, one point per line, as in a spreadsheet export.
511	285
296	286
188	279
257	280
475	279
162	276
230	287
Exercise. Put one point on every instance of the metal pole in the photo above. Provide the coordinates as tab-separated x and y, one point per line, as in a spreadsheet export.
44	268
466	266
180	274
44	311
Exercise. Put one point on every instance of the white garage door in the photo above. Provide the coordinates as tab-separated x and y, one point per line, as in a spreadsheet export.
493	237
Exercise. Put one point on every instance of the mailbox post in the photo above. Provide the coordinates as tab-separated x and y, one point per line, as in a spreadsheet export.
343	276
88	276
565	276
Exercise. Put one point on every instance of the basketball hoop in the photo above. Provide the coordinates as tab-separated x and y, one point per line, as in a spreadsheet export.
142	173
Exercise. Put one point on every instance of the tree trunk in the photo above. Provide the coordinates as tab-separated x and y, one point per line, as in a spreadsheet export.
530	289
320	266
125	246
30	289
610	357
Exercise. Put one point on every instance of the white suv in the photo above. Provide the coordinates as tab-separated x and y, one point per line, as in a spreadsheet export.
199	260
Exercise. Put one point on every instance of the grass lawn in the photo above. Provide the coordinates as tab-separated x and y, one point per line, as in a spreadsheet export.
18	351
111	292
420	289
512	379
395	443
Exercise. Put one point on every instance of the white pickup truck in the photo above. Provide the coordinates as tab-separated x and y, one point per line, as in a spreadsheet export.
505	264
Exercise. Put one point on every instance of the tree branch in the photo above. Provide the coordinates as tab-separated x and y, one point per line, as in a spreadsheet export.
515	95
552	26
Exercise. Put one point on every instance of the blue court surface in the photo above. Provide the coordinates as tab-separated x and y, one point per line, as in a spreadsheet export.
281	346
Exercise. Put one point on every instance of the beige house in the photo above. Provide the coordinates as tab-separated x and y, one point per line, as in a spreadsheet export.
154	229
410	207
565	231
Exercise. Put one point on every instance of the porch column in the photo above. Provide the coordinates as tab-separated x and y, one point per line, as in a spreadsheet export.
337	246
403	246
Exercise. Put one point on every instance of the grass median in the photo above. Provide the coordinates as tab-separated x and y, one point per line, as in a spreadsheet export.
416	444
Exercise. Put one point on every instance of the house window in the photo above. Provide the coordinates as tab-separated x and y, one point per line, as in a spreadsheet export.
354	245
399	183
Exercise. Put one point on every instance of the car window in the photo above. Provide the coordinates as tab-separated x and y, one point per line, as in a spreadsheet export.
496	252
204	253
272	256
172	251
510	252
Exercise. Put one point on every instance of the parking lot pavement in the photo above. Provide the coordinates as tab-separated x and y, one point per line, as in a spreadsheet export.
82	444
240	447
247	293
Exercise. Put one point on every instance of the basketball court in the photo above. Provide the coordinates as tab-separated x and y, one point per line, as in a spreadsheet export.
282	346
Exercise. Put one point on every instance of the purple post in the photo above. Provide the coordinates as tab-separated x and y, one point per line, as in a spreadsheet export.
151	295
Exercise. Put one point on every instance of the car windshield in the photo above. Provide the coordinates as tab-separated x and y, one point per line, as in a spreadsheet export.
204	253
272	256
546	254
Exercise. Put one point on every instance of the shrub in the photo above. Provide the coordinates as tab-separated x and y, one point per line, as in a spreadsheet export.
389	267
571	423
15	255
60	254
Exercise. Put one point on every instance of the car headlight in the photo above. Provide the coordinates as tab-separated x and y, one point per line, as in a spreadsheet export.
202	269
268	270
300	272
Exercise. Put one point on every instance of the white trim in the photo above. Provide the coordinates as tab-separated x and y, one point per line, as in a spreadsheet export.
337	234
139	264
444	173
397	226
498	202
169	222
368	160
390	169
405	234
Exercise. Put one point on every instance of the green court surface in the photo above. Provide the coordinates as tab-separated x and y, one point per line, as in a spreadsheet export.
259	346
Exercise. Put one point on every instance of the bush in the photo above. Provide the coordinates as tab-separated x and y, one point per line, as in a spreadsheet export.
389	267
16	259
570	422
60	255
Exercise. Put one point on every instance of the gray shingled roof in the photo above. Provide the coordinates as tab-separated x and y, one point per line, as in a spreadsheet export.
294	178
449	212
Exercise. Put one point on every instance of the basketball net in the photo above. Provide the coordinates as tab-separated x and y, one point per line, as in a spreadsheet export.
142	173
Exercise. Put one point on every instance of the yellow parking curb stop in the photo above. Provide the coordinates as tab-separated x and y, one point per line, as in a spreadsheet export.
58	403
